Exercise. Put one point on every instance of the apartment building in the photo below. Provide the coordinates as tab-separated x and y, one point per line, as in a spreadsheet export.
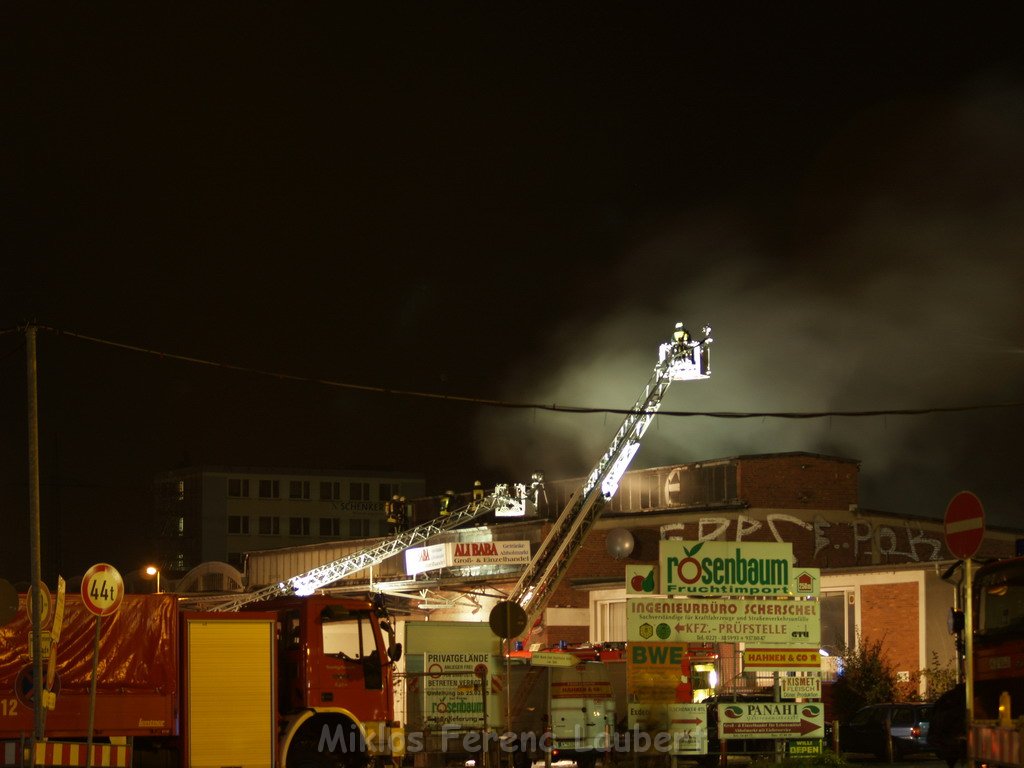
219	513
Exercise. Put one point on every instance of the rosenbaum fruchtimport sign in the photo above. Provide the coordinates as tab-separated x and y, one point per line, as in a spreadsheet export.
733	569
722	571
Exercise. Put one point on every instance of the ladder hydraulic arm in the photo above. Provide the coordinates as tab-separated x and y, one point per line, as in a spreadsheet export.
504	500
680	359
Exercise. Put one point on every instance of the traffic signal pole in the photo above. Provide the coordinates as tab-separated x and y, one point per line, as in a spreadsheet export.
34	547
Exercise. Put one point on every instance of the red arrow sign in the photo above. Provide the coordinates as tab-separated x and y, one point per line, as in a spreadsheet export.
965	525
769	730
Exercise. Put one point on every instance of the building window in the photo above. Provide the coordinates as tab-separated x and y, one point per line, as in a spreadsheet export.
359	491
270	526
298	526
181	526
298	489
238	488
330	491
181	490
270	489
330	526
238	524
387	490
358	529
838	613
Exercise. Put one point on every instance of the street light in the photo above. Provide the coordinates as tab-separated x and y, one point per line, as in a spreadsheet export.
152	570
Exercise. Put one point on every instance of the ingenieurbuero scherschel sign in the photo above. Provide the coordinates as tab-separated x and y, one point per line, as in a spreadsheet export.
785	622
733	568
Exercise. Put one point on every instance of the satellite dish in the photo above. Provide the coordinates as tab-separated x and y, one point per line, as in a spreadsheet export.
619	543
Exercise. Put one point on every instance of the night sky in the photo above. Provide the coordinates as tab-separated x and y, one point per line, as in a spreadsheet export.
504	201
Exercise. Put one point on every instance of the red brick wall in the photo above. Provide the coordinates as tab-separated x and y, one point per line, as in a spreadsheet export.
798	481
889	614
592	561
551	635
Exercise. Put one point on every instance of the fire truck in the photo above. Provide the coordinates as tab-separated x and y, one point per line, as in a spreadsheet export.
576	703
286	684
994	729
465	696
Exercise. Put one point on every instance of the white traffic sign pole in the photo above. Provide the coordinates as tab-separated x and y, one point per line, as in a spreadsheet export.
102	592
965	530
92	692
969	661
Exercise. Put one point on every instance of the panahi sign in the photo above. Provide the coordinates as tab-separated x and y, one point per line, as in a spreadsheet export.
771	720
706	568
769	622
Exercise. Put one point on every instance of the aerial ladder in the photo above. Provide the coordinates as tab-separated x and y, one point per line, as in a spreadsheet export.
506	499
682	358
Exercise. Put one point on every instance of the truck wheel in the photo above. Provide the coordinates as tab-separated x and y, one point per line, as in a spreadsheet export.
586	760
344	746
521	759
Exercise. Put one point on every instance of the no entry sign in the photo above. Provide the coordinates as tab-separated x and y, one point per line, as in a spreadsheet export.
965	525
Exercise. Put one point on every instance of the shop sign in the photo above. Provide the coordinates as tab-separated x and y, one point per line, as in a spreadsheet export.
800	686
782	659
462	553
756	622
738	568
771	720
421	559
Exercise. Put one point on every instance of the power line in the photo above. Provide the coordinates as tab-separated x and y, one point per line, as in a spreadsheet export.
511	404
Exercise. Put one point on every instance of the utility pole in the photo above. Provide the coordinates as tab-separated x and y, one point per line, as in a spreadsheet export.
34	547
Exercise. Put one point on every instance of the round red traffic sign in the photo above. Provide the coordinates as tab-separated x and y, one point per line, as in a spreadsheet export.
102	589
45	604
25	687
965	525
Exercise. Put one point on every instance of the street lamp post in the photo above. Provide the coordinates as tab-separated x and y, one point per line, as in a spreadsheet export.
152	570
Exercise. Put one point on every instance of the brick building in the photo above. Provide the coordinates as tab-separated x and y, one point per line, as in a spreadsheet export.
881	573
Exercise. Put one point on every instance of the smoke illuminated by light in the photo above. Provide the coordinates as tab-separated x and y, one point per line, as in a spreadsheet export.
907	297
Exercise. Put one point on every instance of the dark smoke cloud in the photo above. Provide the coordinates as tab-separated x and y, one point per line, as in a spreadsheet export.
898	286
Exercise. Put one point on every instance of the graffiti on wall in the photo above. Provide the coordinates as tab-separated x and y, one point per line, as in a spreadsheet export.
854	541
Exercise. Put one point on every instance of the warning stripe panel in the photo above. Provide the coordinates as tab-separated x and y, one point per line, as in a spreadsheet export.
11	753
74	754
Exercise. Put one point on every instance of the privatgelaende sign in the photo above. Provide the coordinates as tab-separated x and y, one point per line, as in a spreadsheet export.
734	568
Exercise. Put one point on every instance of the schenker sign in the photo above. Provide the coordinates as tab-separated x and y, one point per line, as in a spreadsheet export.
704	568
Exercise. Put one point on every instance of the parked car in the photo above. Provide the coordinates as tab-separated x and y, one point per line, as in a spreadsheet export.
869	730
